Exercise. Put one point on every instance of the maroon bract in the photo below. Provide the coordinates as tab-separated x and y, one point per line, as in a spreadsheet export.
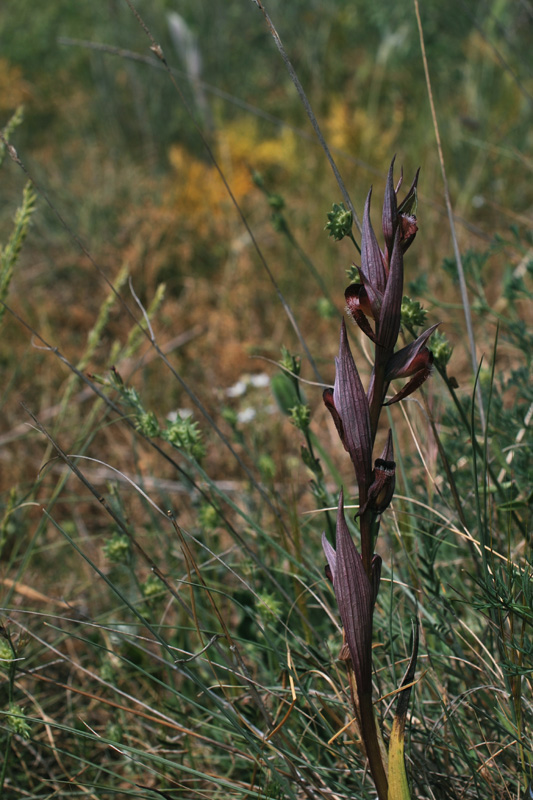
348	406
355	595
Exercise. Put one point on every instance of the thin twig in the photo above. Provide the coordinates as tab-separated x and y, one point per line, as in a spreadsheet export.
309	111
457	254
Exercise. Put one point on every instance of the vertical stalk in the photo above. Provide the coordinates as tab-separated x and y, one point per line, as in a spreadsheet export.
366	707
457	253
377	391
356	415
367	550
370	738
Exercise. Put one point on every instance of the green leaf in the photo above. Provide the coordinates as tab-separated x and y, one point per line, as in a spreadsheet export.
398	786
285	393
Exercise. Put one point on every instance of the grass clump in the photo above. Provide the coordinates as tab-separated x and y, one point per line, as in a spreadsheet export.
167	627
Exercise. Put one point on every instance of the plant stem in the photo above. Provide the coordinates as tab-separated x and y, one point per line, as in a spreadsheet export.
365	527
457	253
373	750
6	760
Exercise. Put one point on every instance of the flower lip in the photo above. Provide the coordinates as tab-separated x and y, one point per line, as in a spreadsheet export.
357	299
424	369
408	360
359	308
381	490
408	229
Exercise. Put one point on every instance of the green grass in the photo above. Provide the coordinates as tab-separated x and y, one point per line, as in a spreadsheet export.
167	629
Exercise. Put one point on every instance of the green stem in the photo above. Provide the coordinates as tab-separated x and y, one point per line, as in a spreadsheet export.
6	760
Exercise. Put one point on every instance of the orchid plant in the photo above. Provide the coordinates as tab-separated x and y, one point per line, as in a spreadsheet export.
374	303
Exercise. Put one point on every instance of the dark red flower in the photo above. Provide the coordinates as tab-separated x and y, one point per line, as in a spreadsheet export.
413	361
359	308
381	490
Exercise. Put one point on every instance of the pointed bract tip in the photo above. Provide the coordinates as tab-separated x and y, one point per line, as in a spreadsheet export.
331	556
388	450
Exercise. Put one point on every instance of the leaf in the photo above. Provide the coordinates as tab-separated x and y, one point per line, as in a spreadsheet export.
284	391
329	552
398	786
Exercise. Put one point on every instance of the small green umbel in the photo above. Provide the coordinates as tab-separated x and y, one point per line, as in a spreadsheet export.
339	222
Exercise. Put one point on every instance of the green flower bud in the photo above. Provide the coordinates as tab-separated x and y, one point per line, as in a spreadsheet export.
117	549
267	467
325	308
339	222
279	222
353	274
146	422
208	517
258	179
6	654
152	587
290	362
441	349
300	416
230	415
269	606
17	721
413	315
185	435
310	462
276	202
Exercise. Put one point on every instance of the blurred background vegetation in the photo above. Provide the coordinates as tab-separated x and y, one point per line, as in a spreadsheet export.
115	150
112	148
